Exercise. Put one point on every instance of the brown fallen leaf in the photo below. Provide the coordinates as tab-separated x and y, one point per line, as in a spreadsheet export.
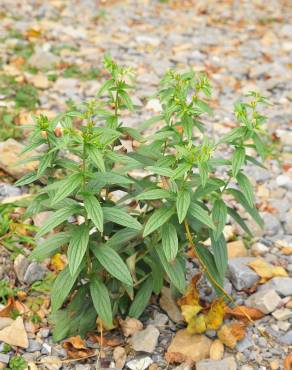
105	341
130	326
287	251
12	305
267	271
240	312
76	347
288	362
230	334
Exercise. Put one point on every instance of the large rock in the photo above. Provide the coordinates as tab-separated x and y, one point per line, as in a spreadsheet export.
266	300
188	347
10	155
240	275
145	340
15	334
5	321
282	285
227	363
168	304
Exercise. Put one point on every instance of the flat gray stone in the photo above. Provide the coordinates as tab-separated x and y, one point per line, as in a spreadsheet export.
266	300
287	338
240	275
7	190
227	363
145	340
4	358
34	272
282	285
20	265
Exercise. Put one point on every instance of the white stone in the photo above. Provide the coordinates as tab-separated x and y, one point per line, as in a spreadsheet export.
282	314
140	363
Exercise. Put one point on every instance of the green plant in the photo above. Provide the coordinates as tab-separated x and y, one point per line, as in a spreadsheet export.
134	215
17	363
6	291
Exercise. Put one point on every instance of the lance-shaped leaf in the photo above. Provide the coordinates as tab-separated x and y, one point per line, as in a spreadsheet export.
101	301
142	298
94	211
77	247
220	254
183	202
200	214
169	241
246	187
113	263
49	246
120	217
234	214
96	157
157	219
237	160
219	215
154	194
56	219
66	187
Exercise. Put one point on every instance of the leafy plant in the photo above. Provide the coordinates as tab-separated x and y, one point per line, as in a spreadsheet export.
127	219
17	363
6	291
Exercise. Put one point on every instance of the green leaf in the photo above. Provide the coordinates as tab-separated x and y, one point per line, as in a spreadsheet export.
77	247
259	145
113	263
49	246
208	259
237	160
219	215
162	171
183	202
220	254
126	99
120	217
44	163
242	200
200	214
169	241
142	298
203	171
181	170
66	187
174	270
122	237
56	219
62	287
101	301
234	214
246	187
157	272
96	157
153	194
157	219
234	134
94	211
26	179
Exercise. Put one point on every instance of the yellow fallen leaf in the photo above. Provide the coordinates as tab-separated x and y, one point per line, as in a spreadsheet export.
214	317
57	262
197	325
189	311
265	270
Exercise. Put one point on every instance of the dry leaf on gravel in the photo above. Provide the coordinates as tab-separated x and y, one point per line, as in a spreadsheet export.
105	341
13	305
287	251
230	334
57	262
238	313
266	271
76	347
119	356
130	326
288	362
